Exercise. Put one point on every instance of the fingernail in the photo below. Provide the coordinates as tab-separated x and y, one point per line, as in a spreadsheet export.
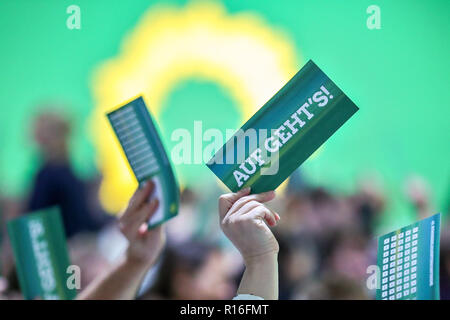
154	202
143	228
245	190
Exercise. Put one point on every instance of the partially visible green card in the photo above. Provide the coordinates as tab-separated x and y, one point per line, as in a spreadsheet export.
146	156
283	133
40	251
409	262
2	226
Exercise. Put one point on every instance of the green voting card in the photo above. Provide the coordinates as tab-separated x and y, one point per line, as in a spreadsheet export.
284	132
2	226
40	251
146	156
409	262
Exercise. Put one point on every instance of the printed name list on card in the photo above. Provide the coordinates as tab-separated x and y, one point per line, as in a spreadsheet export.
146	156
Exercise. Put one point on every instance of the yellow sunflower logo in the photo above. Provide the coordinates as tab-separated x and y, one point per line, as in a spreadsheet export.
239	52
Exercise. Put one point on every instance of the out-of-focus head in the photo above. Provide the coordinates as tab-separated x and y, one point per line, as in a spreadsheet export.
51	132
337	288
417	191
445	252
349	255
85	253
195	271
298	259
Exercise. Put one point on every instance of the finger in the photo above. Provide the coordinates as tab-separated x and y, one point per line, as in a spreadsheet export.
260	197
277	216
265	214
151	209
140	219
227	200
140	196
132	226
246	208
137	200
142	214
143	229
153	233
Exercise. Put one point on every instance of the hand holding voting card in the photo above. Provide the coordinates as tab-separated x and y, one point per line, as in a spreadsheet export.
40	251
409	262
283	133
146	156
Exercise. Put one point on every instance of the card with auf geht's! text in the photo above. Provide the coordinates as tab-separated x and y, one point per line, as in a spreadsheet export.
284	132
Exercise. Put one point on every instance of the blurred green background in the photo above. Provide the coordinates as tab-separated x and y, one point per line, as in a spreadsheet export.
397	75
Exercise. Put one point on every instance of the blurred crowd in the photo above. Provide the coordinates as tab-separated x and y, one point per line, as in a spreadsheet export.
327	239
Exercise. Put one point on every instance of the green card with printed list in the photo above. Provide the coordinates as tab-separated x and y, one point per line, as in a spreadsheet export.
139	139
408	260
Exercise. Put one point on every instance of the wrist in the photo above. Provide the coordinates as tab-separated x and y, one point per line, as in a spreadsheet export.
262	260
261	276
136	260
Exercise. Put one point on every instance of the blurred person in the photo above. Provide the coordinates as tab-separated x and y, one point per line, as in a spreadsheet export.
368	203
349	255
332	211
3	287
85	253
418	193
316	212
298	215
182	229
56	182
299	266
3	281
334	287
192	271
206	224
296	183
2	234
11	208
